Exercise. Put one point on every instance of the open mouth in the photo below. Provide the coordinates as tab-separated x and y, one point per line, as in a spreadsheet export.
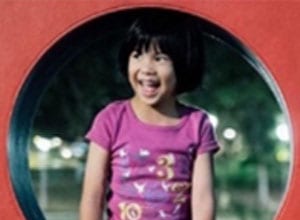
149	86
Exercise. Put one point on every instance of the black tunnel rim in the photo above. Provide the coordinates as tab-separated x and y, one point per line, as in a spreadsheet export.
50	63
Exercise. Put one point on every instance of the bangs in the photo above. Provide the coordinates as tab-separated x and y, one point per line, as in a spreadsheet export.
143	42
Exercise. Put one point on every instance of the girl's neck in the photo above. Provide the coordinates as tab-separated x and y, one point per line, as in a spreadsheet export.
164	114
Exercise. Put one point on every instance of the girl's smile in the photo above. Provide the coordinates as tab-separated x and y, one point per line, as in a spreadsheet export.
149	85
151	75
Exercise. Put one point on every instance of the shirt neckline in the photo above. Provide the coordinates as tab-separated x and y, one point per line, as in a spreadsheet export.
133	116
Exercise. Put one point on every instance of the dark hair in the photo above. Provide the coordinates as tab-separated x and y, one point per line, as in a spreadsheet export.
178	35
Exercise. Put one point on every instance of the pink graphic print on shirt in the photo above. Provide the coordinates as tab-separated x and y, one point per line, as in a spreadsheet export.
164	170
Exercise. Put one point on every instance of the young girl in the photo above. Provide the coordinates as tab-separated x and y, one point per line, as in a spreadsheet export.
155	152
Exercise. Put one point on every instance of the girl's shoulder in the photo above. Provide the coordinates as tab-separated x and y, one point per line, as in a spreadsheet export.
115	107
112	111
194	111
197	117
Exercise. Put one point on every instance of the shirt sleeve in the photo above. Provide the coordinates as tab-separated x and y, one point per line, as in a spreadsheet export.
207	137
100	131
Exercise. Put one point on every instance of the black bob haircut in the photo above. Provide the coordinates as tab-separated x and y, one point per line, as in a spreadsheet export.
176	34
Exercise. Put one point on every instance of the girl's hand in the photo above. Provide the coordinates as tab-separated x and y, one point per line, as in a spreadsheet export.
203	198
91	207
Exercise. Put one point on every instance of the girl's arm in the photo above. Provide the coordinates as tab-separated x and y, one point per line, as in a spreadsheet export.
92	200
203	197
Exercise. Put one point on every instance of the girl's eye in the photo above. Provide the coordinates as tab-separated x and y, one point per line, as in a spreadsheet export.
135	54
162	58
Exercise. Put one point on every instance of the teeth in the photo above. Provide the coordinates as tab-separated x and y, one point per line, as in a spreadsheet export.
149	83
149	86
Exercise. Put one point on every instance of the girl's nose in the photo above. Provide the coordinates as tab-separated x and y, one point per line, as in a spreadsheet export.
147	66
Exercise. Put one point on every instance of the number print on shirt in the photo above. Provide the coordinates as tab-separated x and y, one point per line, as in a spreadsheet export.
130	211
165	168
180	188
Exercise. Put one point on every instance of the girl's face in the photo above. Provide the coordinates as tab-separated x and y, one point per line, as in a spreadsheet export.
151	75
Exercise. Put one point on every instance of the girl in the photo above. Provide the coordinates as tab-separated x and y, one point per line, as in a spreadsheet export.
155	152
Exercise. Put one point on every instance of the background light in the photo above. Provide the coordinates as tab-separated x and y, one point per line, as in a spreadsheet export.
43	144
229	133
66	153
56	142
282	132
283	155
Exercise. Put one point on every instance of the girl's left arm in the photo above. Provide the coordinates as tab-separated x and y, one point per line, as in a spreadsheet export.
203	196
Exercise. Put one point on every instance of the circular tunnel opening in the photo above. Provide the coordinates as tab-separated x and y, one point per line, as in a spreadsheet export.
58	100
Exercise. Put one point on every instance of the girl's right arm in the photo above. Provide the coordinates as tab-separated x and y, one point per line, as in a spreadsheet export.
92	200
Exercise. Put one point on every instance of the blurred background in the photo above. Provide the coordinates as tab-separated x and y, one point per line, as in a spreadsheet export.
252	167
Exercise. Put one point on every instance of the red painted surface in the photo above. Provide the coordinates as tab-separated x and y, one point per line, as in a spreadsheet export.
269	28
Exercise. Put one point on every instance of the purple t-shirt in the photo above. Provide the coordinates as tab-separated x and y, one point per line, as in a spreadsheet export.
151	165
